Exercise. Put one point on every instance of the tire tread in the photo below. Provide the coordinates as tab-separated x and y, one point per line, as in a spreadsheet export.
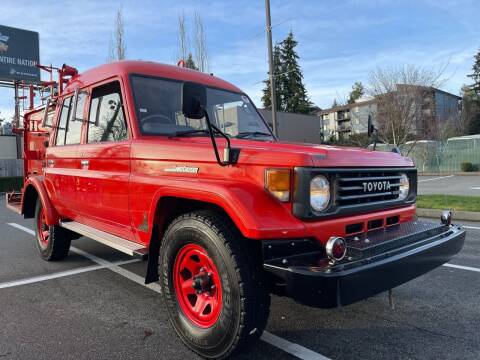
255	300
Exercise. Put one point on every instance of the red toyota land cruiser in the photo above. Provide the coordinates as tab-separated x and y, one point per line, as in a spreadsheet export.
178	166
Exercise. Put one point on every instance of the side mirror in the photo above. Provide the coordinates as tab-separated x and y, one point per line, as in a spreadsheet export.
194	100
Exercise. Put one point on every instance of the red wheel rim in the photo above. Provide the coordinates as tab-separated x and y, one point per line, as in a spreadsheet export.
42	227
198	286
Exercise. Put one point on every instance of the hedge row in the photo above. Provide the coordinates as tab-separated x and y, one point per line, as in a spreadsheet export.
8	184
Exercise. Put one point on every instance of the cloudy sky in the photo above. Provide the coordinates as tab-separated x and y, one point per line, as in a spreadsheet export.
340	42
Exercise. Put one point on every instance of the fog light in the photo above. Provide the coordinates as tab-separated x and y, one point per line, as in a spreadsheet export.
446	217
336	248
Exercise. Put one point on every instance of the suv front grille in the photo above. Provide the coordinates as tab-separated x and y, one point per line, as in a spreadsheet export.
363	187
353	190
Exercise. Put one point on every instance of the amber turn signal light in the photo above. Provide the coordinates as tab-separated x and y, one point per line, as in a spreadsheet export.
278	183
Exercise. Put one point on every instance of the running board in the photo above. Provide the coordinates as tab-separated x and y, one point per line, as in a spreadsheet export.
126	246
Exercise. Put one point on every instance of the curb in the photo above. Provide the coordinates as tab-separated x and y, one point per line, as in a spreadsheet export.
457	215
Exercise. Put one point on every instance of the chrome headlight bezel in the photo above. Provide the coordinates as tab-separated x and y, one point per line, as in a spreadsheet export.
404	188
319	193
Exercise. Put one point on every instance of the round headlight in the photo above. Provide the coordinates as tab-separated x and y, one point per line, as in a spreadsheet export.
404	187
319	193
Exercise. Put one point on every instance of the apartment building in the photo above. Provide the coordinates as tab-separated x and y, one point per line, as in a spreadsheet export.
341	122
435	110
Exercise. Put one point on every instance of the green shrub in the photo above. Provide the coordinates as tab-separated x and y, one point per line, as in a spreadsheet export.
467	166
8	184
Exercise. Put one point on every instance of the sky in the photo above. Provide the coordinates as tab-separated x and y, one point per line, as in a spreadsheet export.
340	42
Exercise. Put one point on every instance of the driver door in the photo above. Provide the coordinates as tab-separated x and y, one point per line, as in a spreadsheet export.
103	192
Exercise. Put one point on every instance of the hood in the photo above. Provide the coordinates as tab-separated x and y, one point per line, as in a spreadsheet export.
299	154
266	153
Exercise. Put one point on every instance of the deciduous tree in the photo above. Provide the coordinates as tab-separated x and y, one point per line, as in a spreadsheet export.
117	47
401	94
197	59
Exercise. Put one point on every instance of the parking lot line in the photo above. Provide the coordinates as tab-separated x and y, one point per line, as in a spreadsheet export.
437	178
278	342
23	228
471	227
61	274
291	348
469	268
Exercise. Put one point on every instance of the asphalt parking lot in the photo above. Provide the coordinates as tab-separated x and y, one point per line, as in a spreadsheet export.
449	184
93	306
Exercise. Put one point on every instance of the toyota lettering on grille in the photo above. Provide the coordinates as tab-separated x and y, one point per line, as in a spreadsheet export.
371	186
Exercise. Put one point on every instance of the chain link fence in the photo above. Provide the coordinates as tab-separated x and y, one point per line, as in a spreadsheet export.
442	157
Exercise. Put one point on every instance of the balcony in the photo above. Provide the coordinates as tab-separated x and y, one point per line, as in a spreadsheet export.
343	116
344	128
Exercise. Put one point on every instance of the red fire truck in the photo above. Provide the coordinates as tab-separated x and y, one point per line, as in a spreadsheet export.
178	166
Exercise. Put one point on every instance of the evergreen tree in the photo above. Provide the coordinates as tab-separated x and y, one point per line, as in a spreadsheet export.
357	92
294	93
190	63
335	103
470	116
471	99
476	75
277	69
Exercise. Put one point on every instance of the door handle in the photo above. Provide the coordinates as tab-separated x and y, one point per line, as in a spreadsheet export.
84	162
50	162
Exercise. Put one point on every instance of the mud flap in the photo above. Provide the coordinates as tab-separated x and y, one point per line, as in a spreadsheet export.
153	253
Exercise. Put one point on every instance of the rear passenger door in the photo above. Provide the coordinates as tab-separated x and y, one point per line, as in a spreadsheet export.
62	158
105	164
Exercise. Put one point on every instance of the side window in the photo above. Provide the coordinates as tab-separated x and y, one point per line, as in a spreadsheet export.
106	120
75	121
62	124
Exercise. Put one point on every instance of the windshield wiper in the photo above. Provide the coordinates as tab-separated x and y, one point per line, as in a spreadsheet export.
188	132
244	134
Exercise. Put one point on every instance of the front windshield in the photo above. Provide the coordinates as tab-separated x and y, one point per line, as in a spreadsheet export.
159	110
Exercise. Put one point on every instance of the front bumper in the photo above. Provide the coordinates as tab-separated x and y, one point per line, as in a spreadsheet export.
376	261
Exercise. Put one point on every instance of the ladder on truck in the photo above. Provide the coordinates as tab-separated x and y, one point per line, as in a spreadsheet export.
47	92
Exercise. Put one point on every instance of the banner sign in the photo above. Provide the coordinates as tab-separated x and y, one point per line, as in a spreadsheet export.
19	55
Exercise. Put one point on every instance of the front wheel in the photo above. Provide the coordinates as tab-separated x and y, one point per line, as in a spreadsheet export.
53	242
212	284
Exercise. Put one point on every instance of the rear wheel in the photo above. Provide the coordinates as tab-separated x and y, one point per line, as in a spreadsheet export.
53	242
212	284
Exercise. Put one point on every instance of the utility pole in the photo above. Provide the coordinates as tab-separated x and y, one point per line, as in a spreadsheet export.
273	95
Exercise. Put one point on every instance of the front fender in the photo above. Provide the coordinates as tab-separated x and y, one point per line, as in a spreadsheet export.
37	182
255	212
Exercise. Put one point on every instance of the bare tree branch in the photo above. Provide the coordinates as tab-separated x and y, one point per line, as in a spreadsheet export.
117	48
182	38
201	53
403	97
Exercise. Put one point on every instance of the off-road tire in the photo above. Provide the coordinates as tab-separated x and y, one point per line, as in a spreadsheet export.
58	242
245	299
